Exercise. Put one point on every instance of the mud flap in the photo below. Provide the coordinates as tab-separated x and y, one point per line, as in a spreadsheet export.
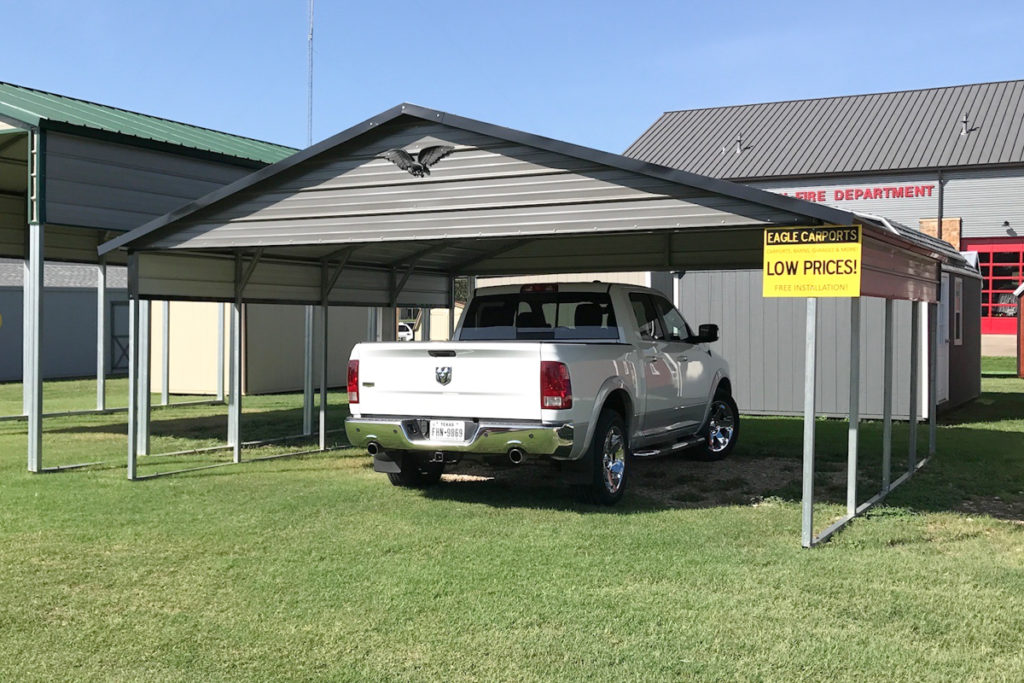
383	463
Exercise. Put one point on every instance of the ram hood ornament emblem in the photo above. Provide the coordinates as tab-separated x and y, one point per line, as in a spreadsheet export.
420	166
443	375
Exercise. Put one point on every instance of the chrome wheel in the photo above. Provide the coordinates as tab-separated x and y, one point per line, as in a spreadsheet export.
613	459
721	426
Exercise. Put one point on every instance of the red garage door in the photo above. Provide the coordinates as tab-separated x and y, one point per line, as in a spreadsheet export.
1002	270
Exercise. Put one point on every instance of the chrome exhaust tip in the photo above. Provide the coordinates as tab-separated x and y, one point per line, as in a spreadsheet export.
516	456
373	448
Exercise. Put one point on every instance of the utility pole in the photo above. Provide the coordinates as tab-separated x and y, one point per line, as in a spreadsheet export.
309	84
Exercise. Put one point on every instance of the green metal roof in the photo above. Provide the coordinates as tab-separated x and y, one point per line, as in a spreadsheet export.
36	107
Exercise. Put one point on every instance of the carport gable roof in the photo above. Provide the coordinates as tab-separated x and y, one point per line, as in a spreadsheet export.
406	113
504	202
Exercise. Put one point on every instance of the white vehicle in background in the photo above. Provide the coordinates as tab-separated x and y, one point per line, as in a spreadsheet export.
584	376
405	332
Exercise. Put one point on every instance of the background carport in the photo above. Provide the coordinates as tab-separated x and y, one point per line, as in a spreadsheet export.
74	173
336	225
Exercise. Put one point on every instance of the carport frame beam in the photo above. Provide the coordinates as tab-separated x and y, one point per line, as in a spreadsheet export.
101	334
854	424
808	539
810	388
32	372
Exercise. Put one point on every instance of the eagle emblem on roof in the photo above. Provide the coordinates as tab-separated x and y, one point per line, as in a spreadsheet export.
420	165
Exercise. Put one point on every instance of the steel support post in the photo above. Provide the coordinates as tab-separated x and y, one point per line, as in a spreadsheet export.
451	308
232	427
389	324
32	388
133	374
915	379
810	364
307	373
854	425
425	324
235	402
27	303
32	370
145	360
220	351
933	360
101	335
887	400
165	356
371	324
323	373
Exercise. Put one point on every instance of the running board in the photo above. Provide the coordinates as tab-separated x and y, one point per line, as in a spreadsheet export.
672	448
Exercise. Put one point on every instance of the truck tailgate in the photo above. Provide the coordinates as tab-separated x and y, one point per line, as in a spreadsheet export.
496	380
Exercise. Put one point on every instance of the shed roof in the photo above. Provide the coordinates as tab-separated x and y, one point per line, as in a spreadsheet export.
37	107
893	131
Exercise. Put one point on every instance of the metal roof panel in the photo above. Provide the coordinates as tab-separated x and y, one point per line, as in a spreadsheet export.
36	107
905	130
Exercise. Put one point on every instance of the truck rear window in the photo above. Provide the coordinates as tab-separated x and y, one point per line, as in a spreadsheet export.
540	315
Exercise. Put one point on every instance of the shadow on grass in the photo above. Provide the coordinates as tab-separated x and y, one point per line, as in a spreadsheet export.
990	406
978	470
255	425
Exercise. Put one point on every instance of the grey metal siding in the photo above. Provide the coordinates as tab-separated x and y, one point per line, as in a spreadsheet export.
899	208
67	314
911	129
487	187
763	341
12	226
187	277
274	342
984	199
100	184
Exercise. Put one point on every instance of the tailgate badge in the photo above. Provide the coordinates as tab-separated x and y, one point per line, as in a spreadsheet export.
443	374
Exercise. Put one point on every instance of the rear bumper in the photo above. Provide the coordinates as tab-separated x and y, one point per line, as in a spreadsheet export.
482	438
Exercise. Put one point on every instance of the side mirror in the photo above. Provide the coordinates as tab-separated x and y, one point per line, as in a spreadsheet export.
706	334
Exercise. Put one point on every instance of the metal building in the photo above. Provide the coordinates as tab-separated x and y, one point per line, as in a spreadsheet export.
69	313
953	154
946	161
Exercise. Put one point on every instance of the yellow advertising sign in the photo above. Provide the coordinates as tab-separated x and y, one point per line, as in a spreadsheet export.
816	261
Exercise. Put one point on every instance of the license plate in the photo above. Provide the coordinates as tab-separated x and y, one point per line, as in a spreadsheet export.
447	430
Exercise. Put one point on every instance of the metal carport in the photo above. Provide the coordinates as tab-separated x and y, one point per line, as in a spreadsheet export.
337	225
73	173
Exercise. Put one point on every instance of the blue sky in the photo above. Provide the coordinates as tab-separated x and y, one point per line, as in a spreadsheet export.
594	73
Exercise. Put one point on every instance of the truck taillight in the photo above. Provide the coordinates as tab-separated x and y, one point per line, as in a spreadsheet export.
353	381
555	387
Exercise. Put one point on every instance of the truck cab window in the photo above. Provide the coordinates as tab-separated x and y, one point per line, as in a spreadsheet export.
676	326
647	318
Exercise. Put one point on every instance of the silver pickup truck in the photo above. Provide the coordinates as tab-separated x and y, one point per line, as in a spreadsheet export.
583	376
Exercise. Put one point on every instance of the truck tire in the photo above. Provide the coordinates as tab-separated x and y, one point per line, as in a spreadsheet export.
610	460
723	428
415	474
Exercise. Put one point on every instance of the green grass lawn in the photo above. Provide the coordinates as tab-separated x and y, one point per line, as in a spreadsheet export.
314	567
999	365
